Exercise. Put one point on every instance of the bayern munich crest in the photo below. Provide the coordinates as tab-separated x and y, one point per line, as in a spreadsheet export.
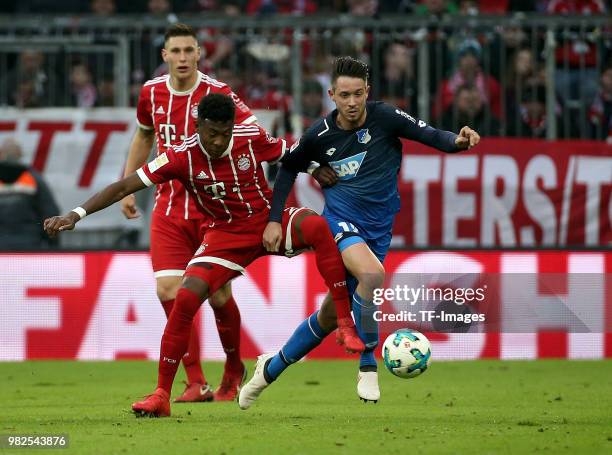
243	163
194	111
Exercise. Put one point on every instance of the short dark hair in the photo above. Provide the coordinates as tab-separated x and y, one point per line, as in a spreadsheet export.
351	67
179	29
217	108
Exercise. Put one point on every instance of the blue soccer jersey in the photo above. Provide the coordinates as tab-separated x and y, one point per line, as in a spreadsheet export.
367	160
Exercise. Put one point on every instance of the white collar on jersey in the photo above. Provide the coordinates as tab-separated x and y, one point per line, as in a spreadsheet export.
224	154
186	92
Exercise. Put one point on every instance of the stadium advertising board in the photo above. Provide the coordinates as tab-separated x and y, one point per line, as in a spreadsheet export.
102	305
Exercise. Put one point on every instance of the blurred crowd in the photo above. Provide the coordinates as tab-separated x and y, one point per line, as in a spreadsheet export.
491	79
296	7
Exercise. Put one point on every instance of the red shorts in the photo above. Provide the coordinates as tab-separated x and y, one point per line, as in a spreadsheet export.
173	242
224	255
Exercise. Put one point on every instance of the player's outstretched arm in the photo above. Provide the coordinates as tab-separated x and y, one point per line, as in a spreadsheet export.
406	126
108	196
140	149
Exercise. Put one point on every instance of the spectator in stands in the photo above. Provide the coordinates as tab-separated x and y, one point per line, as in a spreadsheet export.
469	109
227	7
231	78
30	84
436	8
25	201
577	54
313	107
600	112
159	7
295	7
468	72
48	6
363	8
105	91
82	89
356	40
103	7
263	91
524	71
25	95
396	6
469	8
532	114
398	84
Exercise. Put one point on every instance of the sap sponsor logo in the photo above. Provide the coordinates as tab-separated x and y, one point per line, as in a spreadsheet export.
363	136
348	167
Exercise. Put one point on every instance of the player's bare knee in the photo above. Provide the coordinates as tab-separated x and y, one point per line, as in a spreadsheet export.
167	288
373	278
221	296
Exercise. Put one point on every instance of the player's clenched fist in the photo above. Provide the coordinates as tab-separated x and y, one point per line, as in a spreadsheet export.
56	224
272	237
128	207
467	138
325	175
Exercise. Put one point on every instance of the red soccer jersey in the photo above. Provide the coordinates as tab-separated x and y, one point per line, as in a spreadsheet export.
172	114
231	190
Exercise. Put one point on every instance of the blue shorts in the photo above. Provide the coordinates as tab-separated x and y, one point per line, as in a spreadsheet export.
347	233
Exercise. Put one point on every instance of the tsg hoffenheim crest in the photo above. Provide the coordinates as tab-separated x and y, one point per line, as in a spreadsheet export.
363	136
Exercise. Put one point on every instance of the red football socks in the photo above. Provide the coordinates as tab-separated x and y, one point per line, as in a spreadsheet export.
315	233
176	338
227	318
191	359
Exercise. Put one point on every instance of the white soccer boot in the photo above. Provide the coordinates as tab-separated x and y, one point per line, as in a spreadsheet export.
367	386
252	389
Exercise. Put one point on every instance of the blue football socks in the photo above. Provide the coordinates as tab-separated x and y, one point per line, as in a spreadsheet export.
367	328
306	337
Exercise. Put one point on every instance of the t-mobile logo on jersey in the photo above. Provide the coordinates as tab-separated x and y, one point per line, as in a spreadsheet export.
167	132
216	190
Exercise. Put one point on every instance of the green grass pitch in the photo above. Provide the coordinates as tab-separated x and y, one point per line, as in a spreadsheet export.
455	407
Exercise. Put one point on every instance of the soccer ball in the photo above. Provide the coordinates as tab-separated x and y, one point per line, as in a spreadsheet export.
406	353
